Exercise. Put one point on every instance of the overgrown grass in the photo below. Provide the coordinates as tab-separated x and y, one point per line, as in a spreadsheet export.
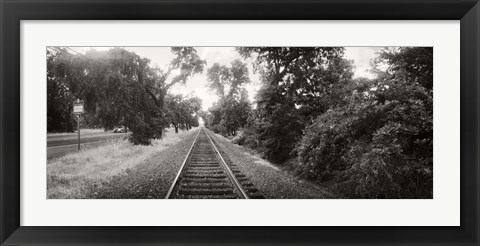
70	176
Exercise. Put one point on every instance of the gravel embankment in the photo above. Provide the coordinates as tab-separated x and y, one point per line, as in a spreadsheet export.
268	179
150	179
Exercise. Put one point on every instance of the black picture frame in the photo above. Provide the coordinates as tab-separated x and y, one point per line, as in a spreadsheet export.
13	11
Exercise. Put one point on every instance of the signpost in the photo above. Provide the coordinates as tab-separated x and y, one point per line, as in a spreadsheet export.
78	109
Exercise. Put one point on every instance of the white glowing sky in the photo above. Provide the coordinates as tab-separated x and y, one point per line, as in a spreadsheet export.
197	85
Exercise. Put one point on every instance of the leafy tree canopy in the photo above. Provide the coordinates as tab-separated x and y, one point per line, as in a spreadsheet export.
117	86
300	83
233	108
379	143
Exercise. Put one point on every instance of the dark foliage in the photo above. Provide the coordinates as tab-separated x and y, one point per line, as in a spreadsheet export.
118	86
299	84
379	144
276	125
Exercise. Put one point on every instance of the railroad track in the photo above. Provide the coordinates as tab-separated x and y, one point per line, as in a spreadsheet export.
207	174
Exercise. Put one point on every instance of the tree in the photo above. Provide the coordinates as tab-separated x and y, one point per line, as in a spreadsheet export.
206	117
186	62
59	94
176	112
300	83
231	111
193	106
118	85
227	81
414	63
275	125
183	112
234	113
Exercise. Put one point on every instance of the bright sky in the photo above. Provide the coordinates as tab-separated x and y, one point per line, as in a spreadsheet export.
197	85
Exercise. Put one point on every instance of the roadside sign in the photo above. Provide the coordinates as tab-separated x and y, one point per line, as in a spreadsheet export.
78	106
78	109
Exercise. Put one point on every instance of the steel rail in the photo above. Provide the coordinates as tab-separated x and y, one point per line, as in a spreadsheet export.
242	192
169	193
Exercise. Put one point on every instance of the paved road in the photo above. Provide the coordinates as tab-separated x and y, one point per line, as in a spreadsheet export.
59	145
72	138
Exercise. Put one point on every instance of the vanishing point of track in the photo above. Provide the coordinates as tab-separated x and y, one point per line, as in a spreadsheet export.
206	174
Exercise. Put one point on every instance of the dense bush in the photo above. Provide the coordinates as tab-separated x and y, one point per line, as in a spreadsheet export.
377	150
143	132
380	143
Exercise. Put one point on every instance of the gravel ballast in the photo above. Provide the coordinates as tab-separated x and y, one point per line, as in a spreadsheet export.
268	179
150	179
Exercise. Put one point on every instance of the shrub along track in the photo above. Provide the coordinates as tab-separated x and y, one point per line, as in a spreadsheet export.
207	174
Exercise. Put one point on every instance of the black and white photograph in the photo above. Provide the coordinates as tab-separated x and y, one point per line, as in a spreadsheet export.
208	122
239	122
